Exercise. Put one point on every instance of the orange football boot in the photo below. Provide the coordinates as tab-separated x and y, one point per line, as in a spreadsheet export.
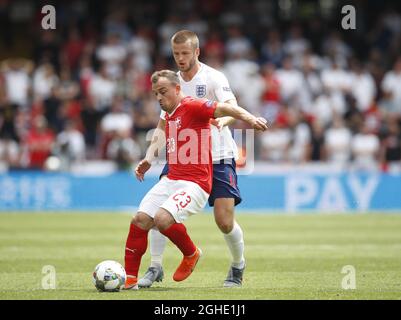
187	265
131	283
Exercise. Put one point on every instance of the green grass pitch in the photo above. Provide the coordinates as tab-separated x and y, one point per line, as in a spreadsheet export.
288	256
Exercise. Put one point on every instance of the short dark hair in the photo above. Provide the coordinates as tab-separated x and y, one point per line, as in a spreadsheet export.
168	74
184	35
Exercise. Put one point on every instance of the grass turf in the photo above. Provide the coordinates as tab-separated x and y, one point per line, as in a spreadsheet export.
288	257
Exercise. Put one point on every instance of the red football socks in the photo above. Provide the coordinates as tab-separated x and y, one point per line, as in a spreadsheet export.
136	245
177	233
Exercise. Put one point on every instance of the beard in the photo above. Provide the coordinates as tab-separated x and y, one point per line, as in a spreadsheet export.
190	66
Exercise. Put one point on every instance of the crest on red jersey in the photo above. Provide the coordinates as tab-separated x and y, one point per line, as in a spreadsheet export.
175	122
178	122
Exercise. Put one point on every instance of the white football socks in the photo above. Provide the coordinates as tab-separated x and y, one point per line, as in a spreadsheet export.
157	246
235	242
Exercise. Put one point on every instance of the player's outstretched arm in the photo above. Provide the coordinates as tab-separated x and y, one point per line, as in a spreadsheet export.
225	109
158	142
225	121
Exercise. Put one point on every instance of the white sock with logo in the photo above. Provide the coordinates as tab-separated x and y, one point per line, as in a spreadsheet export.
235	242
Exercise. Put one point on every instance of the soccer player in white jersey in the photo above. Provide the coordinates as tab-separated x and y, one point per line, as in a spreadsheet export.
201	81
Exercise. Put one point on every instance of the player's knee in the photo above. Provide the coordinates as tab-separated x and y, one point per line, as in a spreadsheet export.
163	220
224	217
142	221
161	223
225	224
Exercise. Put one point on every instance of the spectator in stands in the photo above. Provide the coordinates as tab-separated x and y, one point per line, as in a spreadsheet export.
9	151
365	148
323	108
90	122
337	141
38	144
116	22
117	120
353	117
391	103
124	150
69	146
141	48
275	143
337	49
272	49
85	74
101	90
237	45
316	150
70	110
312	87
44	80
240	69
146	113
137	82
111	54
296	44
17	81
301	137
8	114
213	47
337	82
270	104
72	48
171	25
52	111
67	89
390	146
363	87
291	81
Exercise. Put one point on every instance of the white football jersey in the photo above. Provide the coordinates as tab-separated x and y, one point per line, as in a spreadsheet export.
213	85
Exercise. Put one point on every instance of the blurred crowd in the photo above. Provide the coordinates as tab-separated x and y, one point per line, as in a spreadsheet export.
84	93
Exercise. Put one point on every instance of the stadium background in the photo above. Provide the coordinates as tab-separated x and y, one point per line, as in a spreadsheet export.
75	108
77	99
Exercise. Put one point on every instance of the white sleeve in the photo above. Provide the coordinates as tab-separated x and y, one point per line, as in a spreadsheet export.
163	114
222	88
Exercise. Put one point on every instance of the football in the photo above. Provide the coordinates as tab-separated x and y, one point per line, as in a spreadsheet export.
109	276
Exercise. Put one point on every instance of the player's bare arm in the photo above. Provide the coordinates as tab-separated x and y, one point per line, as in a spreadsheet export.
225	109
225	121
158	142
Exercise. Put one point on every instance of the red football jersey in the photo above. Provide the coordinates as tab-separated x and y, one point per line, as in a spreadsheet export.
188	142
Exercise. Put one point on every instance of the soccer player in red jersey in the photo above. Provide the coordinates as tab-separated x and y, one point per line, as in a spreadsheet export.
189	181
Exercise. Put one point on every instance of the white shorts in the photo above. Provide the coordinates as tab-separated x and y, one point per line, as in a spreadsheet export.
179	197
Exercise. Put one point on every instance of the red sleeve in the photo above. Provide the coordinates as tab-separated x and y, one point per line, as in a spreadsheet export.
203	108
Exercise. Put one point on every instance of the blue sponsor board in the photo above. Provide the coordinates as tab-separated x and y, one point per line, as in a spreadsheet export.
50	191
345	192
324	193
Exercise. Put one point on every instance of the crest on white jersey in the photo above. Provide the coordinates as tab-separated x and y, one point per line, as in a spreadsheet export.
200	90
